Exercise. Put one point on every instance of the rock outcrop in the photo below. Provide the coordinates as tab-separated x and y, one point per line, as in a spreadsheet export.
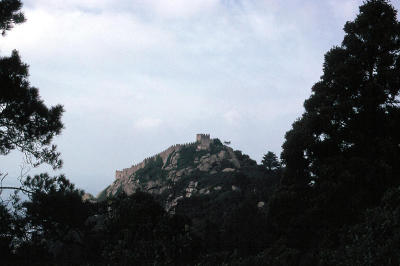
180	171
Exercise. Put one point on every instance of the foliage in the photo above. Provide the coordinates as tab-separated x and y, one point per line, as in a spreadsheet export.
6	232
270	161
348	133
59	228
26	123
216	142
216	146
228	221
10	14
375	240
168	161
139	231
343	153
244	159
56	199
152	170
55	215
338	202
187	155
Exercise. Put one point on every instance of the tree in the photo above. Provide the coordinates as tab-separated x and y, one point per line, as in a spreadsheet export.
55	206
139	231
344	153
6	232
270	161
375	240
349	132
10	14
55	222
26	123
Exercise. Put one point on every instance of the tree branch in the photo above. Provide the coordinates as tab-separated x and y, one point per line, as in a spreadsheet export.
17	188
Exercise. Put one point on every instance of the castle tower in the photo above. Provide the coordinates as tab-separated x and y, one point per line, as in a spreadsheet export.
203	141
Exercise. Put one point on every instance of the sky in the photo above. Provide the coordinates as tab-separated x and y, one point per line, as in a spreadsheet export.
136	76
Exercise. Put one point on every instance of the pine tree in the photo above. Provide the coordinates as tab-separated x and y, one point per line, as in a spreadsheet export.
26	123
348	134
270	161
10	14
343	153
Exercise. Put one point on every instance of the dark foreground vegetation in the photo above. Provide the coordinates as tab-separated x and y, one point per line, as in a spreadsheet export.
333	199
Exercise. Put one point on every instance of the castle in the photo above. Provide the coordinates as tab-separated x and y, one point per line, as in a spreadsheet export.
203	142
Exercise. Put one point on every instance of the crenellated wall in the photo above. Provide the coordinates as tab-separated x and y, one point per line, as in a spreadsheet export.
203	142
202	137
127	172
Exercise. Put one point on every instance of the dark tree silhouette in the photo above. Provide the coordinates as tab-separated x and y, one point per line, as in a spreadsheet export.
343	153
6	232
26	123
52	224
348	135
10	14
270	161
375	240
139	231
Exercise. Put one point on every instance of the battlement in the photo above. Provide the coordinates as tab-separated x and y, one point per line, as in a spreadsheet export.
203	141
202	137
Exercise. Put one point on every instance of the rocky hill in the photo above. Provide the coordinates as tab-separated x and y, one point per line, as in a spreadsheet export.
180	172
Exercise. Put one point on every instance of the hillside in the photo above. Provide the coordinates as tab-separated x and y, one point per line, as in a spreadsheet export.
220	193
182	171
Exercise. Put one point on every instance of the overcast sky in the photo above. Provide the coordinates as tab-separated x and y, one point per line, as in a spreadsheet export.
136	76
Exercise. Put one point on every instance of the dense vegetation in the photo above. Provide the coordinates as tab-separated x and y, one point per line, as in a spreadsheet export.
334	199
152	169
343	154
56	226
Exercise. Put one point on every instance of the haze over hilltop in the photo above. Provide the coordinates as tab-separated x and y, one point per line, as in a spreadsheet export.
180	171
136	76
331	197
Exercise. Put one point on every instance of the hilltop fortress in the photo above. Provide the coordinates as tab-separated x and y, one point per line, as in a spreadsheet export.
183	165
203	142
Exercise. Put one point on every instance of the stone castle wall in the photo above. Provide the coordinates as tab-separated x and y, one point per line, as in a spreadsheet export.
202	137
127	172
203	141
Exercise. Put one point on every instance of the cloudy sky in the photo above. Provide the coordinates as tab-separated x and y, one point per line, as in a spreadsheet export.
136	76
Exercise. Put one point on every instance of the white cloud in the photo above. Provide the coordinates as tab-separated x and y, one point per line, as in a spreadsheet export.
85	36
146	123
70	4
345	9
160	8
180	8
131	71
232	117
